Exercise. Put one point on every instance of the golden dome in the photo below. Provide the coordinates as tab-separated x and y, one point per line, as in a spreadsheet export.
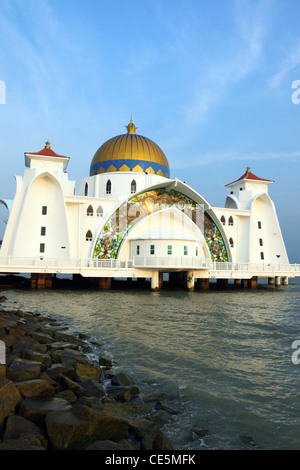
130	152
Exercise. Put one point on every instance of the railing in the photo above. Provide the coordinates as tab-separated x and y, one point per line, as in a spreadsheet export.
76	264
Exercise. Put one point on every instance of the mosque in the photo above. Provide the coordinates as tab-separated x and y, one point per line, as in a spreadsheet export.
130	219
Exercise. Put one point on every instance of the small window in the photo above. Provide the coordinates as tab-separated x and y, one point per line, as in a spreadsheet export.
89	236
261	243
90	211
197	251
230	221
152	249
138	249
262	256
259	224
100	211
223	221
170	249
43	231
108	187
44	210
185	250
133	186
42	247
86	189
231	242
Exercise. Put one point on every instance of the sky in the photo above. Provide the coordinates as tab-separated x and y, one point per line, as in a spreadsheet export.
211	82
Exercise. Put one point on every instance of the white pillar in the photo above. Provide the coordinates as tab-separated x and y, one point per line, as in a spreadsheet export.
190	281
155	280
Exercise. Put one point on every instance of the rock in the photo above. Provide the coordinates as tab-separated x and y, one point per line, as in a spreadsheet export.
35	388
200	432
10	398
42	338
22	369
20	429
62	345
121	379
70	357
160	417
67	395
139	427
36	409
69	384
60	368
105	361
67	337
122	393
93	388
126	409
248	440
88	371
10	340
36	356
2	298
108	445
168	407
156	440
80	427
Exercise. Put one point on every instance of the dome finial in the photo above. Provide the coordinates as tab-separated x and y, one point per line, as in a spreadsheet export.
248	169
47	144
131	128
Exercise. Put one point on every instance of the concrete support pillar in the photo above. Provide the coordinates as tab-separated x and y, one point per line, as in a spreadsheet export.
190	283
155	281
41	281
277	281
104	283
203	284
245	283
222	283
285	281
253	282
270	280
237	282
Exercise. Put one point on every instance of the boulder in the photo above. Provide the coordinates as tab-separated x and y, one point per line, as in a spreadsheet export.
121	379
10	398
70	357
139	427
109	445
20	429
122	393
156	440
167	406
105	362
44	359
36	409
93	388
23	369
78	428
69	384
88	371
35	388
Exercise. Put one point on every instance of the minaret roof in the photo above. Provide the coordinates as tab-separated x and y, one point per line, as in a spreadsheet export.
248	175
46	151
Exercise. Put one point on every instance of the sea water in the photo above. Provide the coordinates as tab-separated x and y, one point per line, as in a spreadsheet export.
226	355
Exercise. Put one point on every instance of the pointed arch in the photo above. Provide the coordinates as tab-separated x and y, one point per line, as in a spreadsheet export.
231	243
108	187
223	220
90	211
100	211
89	236
230	221
133	187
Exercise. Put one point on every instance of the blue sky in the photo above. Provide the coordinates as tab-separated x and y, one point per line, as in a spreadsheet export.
209	81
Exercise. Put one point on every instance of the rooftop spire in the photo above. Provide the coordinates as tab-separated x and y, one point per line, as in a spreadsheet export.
47	145
131	128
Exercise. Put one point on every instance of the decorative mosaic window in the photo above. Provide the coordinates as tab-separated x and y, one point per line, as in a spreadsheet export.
133	187
108	187
90	211
169	249
89	236
100	211
136	208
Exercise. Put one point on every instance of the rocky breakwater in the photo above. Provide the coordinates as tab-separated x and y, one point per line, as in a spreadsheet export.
53	397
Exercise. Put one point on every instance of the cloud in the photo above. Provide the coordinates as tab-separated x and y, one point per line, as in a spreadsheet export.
237	58
289	63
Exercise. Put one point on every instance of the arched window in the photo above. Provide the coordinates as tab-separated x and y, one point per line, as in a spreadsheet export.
231	242
89	236
108	187
230	220
100	211
90	211
223	220
86	189
133	186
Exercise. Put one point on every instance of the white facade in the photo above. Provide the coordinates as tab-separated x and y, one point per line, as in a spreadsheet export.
57	220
